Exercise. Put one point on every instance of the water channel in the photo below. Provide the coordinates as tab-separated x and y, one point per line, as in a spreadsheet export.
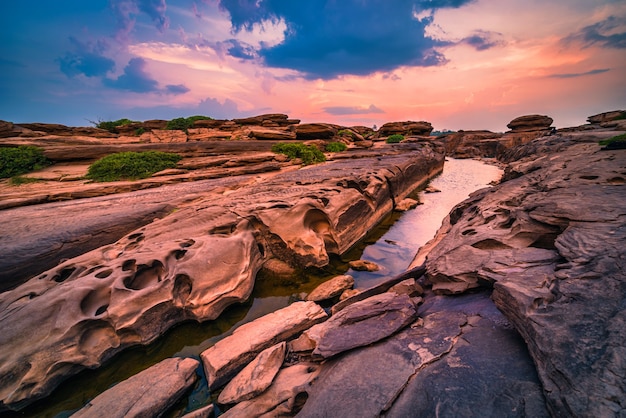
392	246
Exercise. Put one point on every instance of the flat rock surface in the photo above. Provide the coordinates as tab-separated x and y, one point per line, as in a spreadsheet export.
550	242
462	357
148	393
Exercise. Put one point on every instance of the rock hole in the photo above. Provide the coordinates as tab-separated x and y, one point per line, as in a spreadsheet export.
146	276
490	218
182	289
469	232
490	244
96	302
325	201
545	241
128	265
136	237
222	230
187	244
299	401
588	177
507	224
616	180
261	249
64	274
104	274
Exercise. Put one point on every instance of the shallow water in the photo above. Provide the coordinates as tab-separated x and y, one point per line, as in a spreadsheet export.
392	246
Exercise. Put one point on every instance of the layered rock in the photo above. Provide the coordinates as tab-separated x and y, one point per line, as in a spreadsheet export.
308	131
406	128
549	241
530	123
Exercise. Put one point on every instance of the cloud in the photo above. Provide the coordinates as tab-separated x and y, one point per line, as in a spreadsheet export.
352	110
134	79
326	38
608	33
573	75
176	89
126	11
483	40
156	10
240	50
87	59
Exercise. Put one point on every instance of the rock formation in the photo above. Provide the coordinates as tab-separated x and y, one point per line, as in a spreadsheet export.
549	241
530	123
406	128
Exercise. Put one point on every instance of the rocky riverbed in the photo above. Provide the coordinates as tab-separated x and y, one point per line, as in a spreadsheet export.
517	311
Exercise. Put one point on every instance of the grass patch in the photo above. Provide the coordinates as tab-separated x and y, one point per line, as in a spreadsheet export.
19	180
395	138
307	153
336	147
20	160
345	132
131	165
618	138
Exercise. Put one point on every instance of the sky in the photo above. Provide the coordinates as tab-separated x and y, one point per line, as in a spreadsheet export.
459	64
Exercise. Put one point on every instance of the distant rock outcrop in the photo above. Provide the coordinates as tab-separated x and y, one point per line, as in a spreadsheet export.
530	123
406	128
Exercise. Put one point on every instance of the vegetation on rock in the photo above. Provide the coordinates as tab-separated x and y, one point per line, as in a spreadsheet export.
111	125
346	132
618	138
307	153
336	147
19	160
131	165
395	138
19	180
183	124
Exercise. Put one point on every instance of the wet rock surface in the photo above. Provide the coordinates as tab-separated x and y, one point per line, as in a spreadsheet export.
549	242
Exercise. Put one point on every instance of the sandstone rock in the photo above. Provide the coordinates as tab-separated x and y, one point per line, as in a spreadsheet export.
6	129
530	123
331	288
431	189
277	268
229	355
277	118
301	344
346	294
406	204
363	265
549	240
154	124
362	323
308	131
282	398
255	377
471	144
462	358
206	134
607	116
149	393
406	128
271	134
165	136
204	412
407	287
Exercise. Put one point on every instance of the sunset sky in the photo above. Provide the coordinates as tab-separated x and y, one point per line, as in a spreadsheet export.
459	64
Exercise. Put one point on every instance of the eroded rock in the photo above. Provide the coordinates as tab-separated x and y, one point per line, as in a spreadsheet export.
231	354
255	377
406	128
362	323
530	123
148	393
331	288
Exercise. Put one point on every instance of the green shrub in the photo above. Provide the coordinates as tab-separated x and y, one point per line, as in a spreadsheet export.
395	138
618	138
336	147
183	124
111	125
19	160
307	153
140	131
131	165
345	132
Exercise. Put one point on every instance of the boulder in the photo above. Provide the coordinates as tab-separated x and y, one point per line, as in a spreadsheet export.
6	129
331	288
307	131
362	323
363	265
271	134
284	396
530	123
148	393
166	136
607	116
257	376
406	204
406	128
230	355
462	357
549	240
276	118
203	412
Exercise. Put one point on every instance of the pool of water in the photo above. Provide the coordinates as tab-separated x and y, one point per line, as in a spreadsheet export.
392	246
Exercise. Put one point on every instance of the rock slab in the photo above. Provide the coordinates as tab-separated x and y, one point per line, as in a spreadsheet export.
147	394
